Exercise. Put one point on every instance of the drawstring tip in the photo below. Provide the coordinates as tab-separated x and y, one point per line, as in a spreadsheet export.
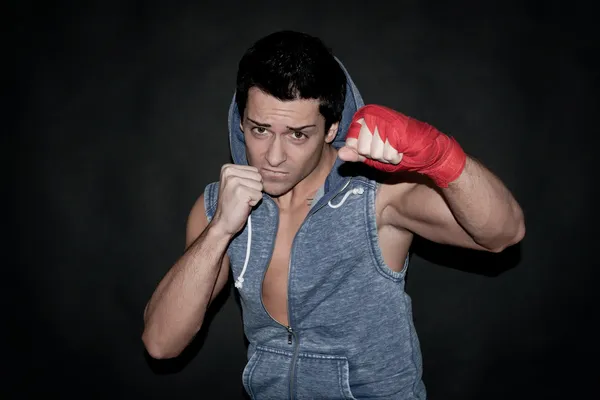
239	283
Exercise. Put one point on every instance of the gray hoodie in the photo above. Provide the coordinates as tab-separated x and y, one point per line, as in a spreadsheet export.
350	333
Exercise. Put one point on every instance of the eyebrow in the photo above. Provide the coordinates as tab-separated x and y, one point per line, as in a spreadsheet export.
289	127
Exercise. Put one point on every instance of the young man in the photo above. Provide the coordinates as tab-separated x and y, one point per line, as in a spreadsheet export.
317	248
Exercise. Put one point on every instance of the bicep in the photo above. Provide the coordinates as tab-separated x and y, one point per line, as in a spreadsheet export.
422	210
196	224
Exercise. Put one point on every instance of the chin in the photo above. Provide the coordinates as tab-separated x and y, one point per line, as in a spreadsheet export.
276	189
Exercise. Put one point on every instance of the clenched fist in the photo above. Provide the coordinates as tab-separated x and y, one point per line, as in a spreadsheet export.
390	141
240	189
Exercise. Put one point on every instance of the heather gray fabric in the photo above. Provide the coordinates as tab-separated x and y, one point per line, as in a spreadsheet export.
351	333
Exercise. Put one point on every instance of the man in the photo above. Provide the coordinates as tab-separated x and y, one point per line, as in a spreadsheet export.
318	249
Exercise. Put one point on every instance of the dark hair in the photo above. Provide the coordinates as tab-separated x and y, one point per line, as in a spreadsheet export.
291	65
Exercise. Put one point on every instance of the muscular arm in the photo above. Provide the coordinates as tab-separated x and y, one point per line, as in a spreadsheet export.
468	206
474	211
176	310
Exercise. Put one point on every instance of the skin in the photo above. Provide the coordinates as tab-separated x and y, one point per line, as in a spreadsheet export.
290	163
475	211
289	138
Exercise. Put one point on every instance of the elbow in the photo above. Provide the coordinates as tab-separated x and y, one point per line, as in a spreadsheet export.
154	341
166	345
508	239
158	349
520	232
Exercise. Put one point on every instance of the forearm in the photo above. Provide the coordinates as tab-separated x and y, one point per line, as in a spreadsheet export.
485	208
176	310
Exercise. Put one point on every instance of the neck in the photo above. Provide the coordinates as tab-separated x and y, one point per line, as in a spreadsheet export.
306	189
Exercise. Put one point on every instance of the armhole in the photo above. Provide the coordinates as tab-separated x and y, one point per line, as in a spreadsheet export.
371	216
211	193
408	252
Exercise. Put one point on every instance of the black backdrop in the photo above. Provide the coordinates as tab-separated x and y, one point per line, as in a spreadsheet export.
120	114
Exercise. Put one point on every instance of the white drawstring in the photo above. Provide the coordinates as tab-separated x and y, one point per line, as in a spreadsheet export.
240	280
239	283
358	190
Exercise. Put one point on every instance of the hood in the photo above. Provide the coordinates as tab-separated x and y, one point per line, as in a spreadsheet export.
352	103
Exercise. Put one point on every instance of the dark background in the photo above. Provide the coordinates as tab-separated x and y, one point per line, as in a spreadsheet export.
120	120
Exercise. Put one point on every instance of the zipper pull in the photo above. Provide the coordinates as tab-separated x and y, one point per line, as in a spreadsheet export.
290	333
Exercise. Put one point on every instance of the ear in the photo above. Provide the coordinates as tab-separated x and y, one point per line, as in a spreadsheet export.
331	133
242	120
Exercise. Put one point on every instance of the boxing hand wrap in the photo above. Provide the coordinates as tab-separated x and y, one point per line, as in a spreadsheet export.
424	149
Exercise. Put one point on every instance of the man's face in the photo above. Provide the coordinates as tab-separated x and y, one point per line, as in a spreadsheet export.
284	139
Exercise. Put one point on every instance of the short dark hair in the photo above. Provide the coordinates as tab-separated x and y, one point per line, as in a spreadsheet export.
292	65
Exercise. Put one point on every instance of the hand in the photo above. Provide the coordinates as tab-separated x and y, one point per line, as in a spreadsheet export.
240	189
390	141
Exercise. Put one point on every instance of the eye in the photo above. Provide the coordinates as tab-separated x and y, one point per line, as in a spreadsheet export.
298	135
259	130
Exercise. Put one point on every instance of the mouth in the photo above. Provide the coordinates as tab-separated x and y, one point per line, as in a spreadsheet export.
272	173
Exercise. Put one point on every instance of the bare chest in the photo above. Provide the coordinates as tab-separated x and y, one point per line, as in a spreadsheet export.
394	245
274	288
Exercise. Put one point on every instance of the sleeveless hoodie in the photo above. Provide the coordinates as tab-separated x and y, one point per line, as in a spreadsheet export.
351	333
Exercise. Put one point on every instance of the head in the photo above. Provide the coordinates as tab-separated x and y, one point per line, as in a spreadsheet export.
290	95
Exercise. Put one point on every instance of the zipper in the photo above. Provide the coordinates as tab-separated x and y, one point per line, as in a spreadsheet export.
288	328
291	334
292	338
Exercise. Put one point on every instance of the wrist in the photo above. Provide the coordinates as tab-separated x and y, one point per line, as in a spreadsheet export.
447	162
216	231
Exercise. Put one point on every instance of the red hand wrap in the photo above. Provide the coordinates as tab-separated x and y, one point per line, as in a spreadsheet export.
425	149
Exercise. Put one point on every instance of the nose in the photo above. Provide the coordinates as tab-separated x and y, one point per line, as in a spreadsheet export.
276	154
